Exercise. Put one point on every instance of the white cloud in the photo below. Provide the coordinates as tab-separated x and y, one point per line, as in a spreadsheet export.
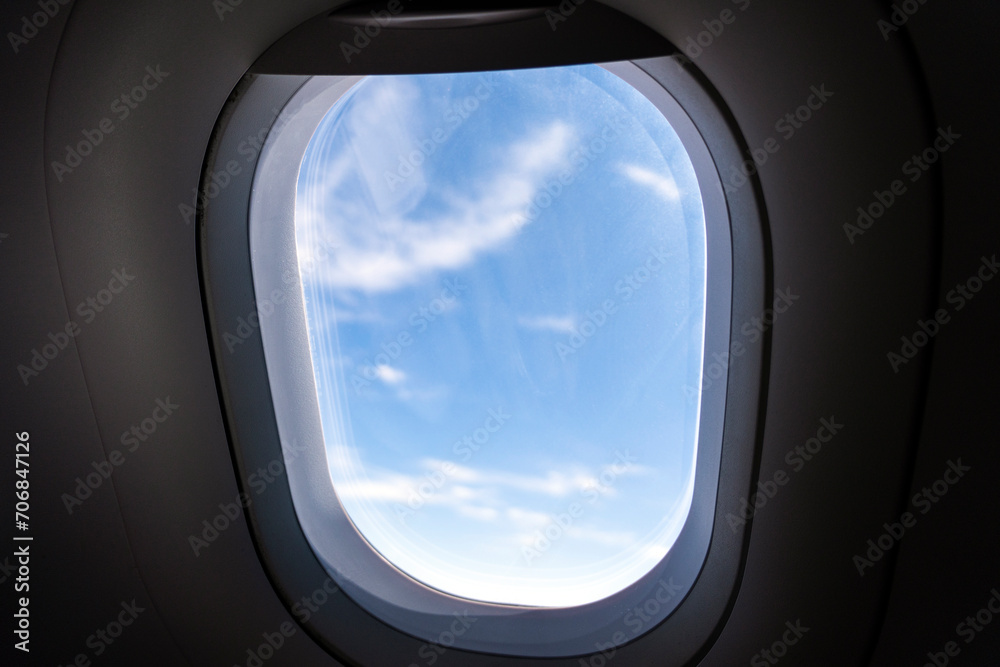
555	483
663	184
485	495
389	375
384	124
397	250
556	323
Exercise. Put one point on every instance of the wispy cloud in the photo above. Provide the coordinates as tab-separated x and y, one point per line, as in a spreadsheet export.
388	374
502	499
662	184
467	485
556	323
509	500
384	124
403	248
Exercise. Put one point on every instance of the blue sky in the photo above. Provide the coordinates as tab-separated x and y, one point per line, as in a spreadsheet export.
503	328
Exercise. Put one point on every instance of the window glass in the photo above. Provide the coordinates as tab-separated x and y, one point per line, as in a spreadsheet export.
504	279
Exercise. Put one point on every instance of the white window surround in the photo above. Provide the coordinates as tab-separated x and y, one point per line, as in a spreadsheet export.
371	581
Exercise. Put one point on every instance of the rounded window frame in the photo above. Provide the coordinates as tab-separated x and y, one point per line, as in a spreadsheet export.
233	303
366	576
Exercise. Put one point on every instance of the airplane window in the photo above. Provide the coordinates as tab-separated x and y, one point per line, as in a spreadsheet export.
504	280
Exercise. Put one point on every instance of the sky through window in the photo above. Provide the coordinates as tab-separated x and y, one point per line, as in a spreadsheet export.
504	281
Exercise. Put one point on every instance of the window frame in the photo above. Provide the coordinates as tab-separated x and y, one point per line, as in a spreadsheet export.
381	627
